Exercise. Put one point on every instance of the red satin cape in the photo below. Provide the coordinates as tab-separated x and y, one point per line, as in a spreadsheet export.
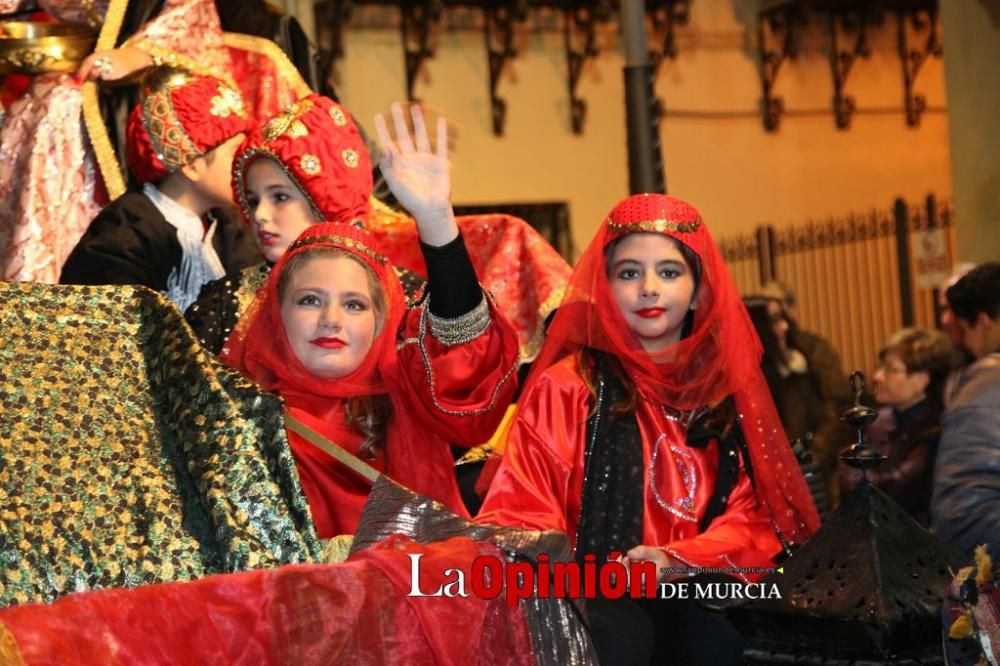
356	612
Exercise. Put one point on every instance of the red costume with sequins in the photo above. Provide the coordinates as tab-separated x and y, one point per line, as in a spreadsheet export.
541	480
449	381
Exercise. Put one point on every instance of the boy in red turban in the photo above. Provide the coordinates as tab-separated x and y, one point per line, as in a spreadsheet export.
171	236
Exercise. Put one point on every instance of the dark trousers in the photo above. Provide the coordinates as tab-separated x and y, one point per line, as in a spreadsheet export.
661	631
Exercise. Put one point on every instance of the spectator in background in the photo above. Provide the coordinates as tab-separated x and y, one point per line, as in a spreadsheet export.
909	382
960	357
805	411
965	507
825	362
823	357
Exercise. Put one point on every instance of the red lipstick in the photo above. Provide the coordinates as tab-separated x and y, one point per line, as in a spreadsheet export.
650	313
267	239
328	343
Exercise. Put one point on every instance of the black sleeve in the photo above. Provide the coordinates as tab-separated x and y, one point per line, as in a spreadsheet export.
213	315
451	280
117	248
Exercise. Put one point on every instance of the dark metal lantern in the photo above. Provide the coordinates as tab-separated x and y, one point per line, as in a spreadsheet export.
866	589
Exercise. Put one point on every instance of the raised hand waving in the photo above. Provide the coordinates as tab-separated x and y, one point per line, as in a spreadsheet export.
419	176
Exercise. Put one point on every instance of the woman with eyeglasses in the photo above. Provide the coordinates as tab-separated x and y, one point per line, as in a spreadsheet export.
909	384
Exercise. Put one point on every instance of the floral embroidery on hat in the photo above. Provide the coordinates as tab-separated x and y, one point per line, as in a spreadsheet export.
297	130
227	102
310	164
284	121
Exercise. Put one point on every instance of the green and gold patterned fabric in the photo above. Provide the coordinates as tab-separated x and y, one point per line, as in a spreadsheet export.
130	456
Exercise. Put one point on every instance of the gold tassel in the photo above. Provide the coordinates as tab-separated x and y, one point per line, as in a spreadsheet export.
97	131
984	566
337	549
962	628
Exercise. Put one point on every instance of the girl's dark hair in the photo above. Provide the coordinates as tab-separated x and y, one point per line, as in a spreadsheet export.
720	417
772	359
591	363
369	414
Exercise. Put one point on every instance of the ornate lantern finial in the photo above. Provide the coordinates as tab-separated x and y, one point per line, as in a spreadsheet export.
860	454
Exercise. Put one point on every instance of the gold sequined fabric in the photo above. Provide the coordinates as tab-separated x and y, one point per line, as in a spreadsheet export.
127	454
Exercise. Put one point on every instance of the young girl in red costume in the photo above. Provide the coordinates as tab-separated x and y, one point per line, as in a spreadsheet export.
306	165
646	428
280	193
330	333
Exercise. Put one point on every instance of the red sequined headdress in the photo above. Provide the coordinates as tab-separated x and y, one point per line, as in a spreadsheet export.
720	357
181	117
318	146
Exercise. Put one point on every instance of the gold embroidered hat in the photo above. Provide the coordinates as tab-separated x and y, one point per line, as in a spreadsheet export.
181	117
318	146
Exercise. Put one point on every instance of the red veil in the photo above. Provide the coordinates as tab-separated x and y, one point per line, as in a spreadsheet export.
718	358
259	347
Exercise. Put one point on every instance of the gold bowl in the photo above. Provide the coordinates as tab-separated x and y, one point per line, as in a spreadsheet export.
30	47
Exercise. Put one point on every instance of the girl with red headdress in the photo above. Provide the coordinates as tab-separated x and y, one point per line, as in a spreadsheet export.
330	332
280	191
308	164
646	428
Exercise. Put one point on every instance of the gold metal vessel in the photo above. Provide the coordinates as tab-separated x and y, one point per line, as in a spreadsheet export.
30	47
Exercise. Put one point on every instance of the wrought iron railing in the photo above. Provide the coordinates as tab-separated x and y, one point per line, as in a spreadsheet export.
856	277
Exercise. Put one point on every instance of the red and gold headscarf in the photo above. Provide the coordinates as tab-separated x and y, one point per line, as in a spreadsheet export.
181	117
720	356
260	348
318	146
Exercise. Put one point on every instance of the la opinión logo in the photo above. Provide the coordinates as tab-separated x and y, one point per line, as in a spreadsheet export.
491	576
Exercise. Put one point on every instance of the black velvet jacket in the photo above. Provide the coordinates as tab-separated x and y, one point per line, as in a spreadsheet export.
130	242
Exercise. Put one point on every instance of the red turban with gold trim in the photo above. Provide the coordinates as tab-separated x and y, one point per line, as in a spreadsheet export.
181	117
318	146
